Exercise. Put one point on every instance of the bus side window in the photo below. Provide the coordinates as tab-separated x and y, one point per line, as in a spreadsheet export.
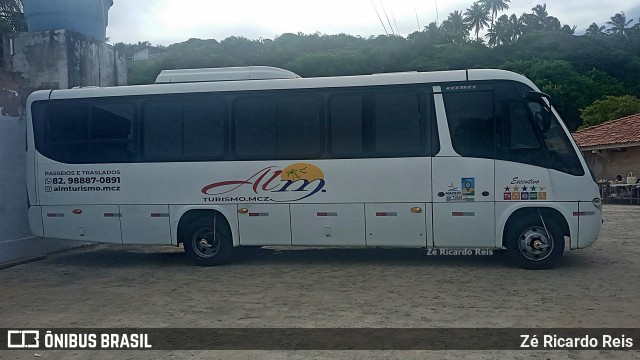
471	123
288	126
188	129
398	127
111	130
82	132
517	138
347	124
379	124
161	130
204	129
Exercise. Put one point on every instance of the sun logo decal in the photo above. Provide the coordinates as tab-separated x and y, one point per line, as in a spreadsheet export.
302	171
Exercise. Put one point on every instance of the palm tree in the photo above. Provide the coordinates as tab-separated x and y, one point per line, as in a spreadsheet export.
493	38
595	30
434	34
477	16
541	14
516	26
503	31
553	24
619	24
456	29
494	6
539	18
569	30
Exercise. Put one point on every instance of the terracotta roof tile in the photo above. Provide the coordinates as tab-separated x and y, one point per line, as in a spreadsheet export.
621	131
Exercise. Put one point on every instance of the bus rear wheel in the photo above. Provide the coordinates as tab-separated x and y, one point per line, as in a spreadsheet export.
207	241
533	244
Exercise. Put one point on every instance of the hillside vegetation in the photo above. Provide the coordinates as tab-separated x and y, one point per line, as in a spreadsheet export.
575	70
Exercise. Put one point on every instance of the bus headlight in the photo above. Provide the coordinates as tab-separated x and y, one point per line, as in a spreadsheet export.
597	202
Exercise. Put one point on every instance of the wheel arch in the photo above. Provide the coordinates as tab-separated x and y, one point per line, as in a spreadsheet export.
184	215
554	213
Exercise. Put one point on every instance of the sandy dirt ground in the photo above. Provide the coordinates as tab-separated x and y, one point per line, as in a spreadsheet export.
124	286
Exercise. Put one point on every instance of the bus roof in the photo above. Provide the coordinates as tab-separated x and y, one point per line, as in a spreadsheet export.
224	74
406	78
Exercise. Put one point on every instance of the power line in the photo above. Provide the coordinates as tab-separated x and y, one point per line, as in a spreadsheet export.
387	16
394	22
379	18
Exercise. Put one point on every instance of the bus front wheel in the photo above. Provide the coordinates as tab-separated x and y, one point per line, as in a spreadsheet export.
207	241
533	243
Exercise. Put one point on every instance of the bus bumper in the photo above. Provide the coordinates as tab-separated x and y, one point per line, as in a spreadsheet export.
589	224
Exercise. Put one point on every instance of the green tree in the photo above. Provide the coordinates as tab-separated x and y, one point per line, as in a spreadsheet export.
570	90
595	30
517	27
502	32
570	30
128	50
540	17
455	28
609	108
12	16
619	24
341	62
477	17
493	6
12	19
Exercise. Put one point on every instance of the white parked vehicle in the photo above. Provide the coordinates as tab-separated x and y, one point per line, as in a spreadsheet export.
224	158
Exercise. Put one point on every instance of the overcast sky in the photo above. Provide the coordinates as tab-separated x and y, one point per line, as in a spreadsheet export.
165	22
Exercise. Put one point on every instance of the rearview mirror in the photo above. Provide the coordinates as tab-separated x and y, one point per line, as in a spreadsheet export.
537	96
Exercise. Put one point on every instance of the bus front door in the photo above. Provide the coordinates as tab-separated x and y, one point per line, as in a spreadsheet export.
463	202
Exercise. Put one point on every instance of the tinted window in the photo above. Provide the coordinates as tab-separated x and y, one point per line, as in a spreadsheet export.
516	137
74	131
187	129
204	128
363	122
470	116
379	124
286	126
397	123
528	133
347	124
162	130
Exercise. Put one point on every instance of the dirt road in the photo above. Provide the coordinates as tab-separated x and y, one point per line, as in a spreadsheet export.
120	286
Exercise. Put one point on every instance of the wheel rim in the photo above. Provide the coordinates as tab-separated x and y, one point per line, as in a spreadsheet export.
535	243
205	243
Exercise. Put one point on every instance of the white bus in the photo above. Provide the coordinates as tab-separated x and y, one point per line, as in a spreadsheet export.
225	158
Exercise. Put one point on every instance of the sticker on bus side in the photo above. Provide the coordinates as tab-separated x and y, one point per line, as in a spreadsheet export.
464	193
293	183
525	190
82	180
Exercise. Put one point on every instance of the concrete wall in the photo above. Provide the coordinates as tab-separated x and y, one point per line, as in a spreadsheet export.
57	59
62	59
13	204
607	163
16	241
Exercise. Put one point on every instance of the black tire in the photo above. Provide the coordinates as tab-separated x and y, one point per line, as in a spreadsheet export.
207	241
530	246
